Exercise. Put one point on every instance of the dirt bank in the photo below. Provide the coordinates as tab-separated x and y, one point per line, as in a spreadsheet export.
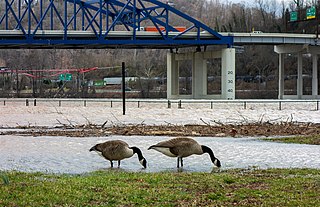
220	130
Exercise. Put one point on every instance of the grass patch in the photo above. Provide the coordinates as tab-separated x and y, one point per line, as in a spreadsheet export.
273	187
312	139
4	178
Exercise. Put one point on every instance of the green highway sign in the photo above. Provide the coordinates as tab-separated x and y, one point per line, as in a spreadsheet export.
68	77
98	83
62	77
293	16
65	77
311	12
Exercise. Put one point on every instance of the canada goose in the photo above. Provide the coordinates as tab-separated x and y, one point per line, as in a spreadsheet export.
183	147
118	150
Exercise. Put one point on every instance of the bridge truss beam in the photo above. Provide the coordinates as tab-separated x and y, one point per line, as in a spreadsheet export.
100	24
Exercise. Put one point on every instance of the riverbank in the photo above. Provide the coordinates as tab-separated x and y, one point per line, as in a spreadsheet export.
305	133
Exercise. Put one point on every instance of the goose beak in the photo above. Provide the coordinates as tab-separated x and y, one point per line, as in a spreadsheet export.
143	163
217	163
92	149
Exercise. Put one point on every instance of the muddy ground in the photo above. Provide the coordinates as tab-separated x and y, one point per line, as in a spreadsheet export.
217	130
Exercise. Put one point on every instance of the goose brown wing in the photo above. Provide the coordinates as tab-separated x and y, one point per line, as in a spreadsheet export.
179	146
113	149
179	141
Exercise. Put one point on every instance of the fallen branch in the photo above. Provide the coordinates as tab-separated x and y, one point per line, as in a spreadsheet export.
89	123
208	124
218	122
102	126
70	123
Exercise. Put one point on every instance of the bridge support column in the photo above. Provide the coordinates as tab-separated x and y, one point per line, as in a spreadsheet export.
281	76
172	76
298	50
200	74
300	78
314	75
228	73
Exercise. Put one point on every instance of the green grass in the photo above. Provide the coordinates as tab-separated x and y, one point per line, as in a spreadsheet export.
313	139
273	187
4	178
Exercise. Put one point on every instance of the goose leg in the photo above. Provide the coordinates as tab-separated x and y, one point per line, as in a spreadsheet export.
118	163
179	160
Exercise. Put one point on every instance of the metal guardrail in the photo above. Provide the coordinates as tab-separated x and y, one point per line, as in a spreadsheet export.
238	38
313	104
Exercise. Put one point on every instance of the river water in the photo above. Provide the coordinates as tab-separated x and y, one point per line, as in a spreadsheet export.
71	154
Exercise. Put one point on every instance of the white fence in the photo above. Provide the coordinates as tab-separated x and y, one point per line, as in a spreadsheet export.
312	105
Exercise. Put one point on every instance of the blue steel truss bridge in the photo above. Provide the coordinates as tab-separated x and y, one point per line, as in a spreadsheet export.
101	24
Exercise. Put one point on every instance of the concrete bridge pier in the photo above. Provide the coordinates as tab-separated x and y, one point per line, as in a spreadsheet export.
282	50
200	74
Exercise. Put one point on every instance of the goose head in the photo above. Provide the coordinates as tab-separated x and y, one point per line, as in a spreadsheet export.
214	160
142	160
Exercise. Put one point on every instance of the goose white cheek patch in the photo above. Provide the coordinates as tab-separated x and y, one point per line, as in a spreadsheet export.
99	153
